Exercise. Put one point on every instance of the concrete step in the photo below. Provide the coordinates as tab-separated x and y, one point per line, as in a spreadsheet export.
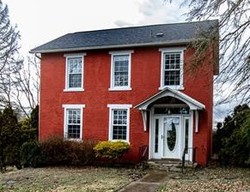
170	165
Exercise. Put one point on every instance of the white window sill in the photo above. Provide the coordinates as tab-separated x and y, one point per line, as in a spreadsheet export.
76	140
120	89
172	87
117	140
73	90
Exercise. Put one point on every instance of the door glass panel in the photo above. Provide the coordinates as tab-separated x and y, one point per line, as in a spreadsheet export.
156	135
171	128
186	134
171	137
171	110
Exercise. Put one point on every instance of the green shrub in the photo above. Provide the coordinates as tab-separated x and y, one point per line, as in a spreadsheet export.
9	139
30	153
111	149
232	140
27	133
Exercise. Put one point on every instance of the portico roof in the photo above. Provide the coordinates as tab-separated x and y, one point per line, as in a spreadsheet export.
168	92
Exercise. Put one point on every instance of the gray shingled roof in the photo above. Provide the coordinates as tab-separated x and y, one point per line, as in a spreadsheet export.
162	34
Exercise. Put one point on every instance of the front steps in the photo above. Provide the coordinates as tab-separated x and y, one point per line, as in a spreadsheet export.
170	165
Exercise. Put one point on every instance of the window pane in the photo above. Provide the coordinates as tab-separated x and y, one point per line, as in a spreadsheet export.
172	78
75	80
73	131
120	117
120	132
73	123
119	124
75	72
121	70
172	68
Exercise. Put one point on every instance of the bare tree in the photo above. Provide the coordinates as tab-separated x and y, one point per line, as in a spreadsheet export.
10	62
19	79
26	86
234	26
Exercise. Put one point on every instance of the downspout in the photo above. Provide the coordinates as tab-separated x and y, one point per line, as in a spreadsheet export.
38	100
39	57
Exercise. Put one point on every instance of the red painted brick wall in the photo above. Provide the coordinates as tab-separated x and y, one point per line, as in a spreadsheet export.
145	81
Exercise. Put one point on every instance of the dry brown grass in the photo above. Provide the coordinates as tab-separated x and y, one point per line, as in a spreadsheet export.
213	179
67	179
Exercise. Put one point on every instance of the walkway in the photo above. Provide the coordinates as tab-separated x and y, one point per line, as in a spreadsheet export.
149	183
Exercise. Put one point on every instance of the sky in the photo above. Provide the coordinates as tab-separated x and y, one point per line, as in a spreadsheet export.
40	21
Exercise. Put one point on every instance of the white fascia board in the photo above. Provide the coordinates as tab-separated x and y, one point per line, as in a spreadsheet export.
192	103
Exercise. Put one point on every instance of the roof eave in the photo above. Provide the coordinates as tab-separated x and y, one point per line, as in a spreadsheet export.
192	103
169	43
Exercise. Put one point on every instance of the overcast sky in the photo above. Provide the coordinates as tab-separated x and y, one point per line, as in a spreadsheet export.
40	21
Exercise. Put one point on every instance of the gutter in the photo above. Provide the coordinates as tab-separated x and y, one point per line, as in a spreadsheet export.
170	43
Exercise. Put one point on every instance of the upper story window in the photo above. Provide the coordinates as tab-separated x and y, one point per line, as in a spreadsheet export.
172	68
74	72
120	70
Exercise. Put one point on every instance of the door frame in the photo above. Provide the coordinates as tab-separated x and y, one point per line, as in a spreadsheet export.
183	119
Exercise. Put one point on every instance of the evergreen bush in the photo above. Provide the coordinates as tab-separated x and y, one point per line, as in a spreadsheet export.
9	139
232	140
111	149
30	154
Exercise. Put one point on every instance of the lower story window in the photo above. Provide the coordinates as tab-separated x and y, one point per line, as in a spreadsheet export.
119	122
73	115
73	123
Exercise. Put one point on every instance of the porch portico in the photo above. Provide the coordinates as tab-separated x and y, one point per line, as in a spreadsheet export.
171	117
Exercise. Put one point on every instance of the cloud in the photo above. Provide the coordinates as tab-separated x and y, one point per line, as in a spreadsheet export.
155	12
121	23
159	11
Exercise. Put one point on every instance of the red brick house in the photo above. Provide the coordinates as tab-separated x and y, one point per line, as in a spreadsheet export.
132	84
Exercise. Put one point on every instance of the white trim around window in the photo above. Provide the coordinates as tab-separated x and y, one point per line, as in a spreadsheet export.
173	83
120	75
119	122
74	72
73	121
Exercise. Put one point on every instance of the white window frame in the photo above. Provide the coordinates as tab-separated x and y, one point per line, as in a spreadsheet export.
170	50
73	107
117	107
120	53
71	56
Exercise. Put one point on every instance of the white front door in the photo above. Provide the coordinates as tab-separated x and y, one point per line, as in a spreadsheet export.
170	134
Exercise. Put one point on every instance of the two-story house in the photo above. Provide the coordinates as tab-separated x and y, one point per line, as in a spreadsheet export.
133	84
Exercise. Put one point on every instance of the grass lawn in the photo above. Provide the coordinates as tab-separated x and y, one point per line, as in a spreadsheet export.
210	179
67	179
59	179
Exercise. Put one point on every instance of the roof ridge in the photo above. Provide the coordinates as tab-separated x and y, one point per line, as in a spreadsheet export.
143	26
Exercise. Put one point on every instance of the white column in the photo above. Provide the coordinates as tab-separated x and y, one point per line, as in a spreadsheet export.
144	119
196	121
